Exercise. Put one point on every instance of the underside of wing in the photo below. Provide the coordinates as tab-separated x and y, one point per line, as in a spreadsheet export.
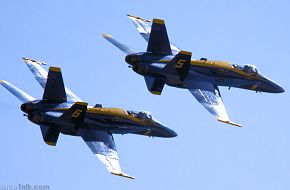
144	28
41	76
103	146
124	48
210	98
19	94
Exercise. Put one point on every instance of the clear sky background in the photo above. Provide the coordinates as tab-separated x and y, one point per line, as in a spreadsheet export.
207	154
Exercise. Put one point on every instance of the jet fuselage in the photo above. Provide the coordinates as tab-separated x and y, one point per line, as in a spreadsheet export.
219	73
113	120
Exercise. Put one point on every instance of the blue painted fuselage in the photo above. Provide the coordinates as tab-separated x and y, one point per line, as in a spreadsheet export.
113	120
216	72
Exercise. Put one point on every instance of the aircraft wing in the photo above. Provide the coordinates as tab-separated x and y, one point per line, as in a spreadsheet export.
21	95
103	146
209	96
144	28
124	48
41	76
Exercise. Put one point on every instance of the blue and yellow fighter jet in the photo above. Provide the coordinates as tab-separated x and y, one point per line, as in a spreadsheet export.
61	111
164	63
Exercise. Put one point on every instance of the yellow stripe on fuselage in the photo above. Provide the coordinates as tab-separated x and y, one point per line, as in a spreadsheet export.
112	112
217	64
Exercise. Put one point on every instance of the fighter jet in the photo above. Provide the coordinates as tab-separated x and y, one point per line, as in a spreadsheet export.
61	111
164	63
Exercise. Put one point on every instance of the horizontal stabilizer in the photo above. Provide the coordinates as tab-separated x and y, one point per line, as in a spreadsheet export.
21	95
54	90
158	40
155	86
119	45
50	134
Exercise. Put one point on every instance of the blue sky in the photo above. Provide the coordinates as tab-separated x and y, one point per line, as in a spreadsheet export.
206	154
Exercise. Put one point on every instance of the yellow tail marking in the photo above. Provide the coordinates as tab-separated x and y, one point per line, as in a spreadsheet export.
54	69
155	92
82	103
185	53
50	143
158	21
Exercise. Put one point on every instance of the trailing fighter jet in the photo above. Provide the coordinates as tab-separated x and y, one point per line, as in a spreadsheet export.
164	63
61	111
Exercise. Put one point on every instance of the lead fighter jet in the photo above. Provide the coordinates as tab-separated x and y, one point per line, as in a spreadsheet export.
61	111
164	63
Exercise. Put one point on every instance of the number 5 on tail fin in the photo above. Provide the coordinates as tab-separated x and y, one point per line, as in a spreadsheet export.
180	64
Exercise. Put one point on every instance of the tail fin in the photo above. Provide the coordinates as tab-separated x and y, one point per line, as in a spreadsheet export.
54	90
180	64
144	28
158	40
119	45
76	113
41	76
21	95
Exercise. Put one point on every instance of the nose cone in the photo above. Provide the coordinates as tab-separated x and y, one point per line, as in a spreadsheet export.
165	132
272	87
279	89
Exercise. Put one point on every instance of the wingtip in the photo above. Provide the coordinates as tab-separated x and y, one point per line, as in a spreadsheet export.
229	122
139	18
2	81
27	60
106	35
122	175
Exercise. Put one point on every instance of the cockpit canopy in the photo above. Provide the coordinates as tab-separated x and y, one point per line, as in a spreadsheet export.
250	69
142	115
